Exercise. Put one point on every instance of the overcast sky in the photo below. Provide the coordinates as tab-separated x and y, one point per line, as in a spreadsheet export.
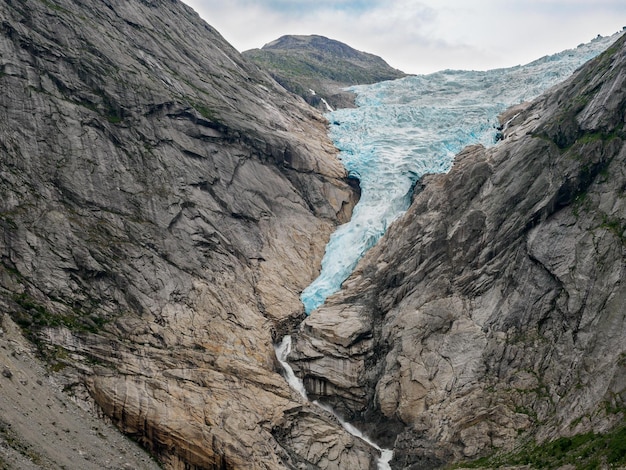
423	36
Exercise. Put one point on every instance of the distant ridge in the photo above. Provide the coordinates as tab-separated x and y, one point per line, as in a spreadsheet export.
318	68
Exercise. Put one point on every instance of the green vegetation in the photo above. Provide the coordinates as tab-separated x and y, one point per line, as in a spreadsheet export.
56	357
204	111
301	63
526	411
615	226
54	6
315	64
581	202
202	108
11	439
614	407
34	316
578	150
113	118
588	451
596	136
564	129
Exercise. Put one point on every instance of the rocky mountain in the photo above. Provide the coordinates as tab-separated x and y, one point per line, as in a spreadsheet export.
491	317
163	202
318	68
162	205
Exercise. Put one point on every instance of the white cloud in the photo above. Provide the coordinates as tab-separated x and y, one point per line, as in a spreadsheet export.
421	36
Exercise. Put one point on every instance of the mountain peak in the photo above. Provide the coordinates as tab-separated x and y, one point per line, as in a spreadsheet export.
318	43
304	63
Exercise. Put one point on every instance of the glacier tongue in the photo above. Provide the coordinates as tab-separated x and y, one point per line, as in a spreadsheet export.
406	128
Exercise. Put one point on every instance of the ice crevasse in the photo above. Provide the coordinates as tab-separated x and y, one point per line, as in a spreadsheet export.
406	128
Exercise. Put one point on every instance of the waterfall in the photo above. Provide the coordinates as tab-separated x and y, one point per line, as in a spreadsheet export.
282	351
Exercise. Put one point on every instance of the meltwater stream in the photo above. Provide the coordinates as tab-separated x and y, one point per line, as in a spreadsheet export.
406	128
282	351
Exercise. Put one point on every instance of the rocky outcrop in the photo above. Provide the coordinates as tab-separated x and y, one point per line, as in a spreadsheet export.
493	311
162	205
319	69
42	427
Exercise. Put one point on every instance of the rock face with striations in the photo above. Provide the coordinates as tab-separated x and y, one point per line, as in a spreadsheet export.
494	309
162	205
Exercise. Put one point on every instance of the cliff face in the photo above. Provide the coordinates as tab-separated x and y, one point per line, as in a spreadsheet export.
162	204
326	66
493	311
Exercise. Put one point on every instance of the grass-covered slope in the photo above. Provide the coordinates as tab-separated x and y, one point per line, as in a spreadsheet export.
588	451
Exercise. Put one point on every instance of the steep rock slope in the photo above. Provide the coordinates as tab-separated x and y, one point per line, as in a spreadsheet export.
326	66
494	311
43	427
162	204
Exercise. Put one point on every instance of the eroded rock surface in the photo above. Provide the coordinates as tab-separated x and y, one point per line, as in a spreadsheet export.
495	308
162	205
42	427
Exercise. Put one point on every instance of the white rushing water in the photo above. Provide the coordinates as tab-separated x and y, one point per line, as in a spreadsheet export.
282	351
406	128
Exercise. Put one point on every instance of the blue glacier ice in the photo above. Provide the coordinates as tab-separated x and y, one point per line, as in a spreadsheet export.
406	128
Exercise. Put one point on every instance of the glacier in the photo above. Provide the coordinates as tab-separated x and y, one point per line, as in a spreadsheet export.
406	128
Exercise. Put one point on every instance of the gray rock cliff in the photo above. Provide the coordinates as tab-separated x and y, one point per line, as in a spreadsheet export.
493	312
162	205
